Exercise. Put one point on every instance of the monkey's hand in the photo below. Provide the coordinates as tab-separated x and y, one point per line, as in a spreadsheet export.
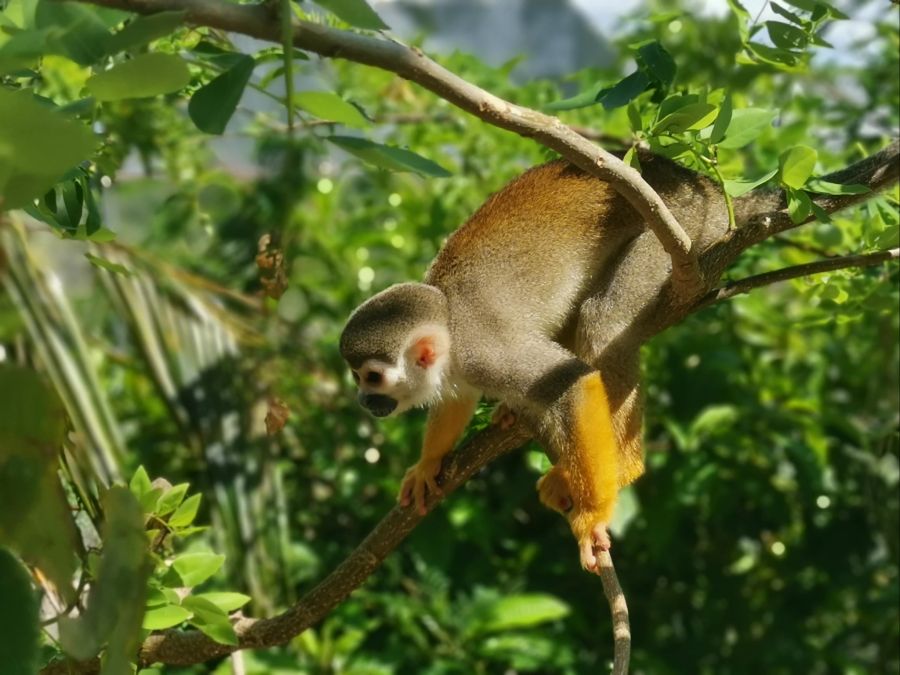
590	530
419	482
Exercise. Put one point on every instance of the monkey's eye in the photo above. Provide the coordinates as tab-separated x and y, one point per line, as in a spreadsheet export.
355	376
373	377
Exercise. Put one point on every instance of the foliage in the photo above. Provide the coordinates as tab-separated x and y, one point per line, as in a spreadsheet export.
762	539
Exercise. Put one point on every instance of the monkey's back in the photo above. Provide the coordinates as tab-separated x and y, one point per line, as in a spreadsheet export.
573	220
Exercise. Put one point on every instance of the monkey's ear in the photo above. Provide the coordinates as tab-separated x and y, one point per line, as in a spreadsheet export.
425	351
429	347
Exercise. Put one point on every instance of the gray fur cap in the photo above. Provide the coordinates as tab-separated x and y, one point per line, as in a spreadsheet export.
379	327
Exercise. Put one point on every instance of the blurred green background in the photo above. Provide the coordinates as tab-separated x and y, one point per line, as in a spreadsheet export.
764	537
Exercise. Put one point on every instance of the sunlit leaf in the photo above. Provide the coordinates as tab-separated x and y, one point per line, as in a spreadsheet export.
723	120
195	568
184	515
355	12
797	165
166	616
690	117
827	188
328	106
746	125
226	601
145	75
736	188
210	619
786	36
522	611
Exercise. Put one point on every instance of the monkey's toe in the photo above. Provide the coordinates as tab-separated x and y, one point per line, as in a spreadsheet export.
503	417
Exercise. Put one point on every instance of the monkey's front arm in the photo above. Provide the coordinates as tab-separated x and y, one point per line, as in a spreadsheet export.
446	423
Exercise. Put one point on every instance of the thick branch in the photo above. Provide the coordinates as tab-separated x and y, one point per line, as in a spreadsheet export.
828	265
176	647
411	64
763	214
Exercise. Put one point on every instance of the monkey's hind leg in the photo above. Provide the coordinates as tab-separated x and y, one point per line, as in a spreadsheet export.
589	463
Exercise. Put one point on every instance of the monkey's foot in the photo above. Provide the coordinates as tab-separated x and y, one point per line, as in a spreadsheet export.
553	490
419	482
590	546
590	530
503	417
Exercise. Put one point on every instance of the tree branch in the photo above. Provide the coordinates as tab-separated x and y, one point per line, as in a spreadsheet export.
763	213
828	265
259	21
175	647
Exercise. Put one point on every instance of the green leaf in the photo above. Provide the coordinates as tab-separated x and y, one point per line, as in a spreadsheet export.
141	77
522	611
827	188
657	63
212	106
116	602
224	600
785	14
171	499
35	520
328	106
624	91
389	157
148	500
723	120
184	515
140	482
211	620
743	18
746	125
145	29
167	616
631	158
690	117
799	205
19	646
78	32
355	12
736	188
37	146
714	418
786	36
195	568
781	58
797	165
634	118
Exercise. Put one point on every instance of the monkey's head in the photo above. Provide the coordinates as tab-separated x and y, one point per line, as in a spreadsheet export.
397	345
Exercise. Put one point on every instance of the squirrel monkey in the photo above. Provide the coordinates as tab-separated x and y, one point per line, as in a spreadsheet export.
509	310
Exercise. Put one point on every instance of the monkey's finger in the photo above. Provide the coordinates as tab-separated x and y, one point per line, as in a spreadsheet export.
419	490
600	537
588	559
406	491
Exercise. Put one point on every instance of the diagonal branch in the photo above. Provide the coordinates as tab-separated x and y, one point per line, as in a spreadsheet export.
795	271
258	20
763	213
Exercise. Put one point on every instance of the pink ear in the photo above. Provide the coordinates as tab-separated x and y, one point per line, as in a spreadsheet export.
425	352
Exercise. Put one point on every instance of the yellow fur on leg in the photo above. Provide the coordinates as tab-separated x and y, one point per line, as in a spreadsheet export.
590	463
446	423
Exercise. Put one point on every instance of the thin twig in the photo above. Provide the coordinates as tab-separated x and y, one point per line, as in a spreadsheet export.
795	271
619	610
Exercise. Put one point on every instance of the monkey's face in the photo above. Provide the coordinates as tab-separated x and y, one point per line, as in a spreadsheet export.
414	379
